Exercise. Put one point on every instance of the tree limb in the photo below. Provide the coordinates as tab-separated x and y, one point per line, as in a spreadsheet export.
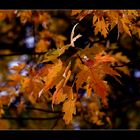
43	110
29	118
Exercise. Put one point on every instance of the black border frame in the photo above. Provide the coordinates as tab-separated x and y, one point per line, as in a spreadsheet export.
69	4
68	134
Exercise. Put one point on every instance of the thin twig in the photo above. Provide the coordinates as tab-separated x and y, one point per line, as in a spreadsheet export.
72	38
29	118
43	110
55	122
22	53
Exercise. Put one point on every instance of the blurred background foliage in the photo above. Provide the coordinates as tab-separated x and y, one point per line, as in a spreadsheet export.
22	36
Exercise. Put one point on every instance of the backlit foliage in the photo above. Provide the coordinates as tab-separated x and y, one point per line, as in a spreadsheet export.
57	83
105	20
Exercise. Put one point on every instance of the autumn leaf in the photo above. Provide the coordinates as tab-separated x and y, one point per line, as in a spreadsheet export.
19	67
101	26
53	54
55	78
83	14
59	95
75	12
42	46
5	100
89	90
14	79
95	115
125	23
69	109
120	57
25	83
105	20
53	71
93	73
20	107
24	16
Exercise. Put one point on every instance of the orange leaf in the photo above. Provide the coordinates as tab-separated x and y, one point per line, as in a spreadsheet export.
93	73
59	95
69	109
53	71
75	12
18	68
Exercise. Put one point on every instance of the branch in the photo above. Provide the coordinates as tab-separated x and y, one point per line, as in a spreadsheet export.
30	118
72	38
40	109
43	110
55	122
28	53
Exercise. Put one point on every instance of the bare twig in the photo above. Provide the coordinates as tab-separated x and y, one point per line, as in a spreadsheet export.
22	53
43	110
29	118
72	38
55	122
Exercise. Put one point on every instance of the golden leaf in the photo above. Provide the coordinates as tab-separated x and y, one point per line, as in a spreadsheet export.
19	67
93	73
126	28
102	27
75	12
59	95
53	71
69	109
42	46
120	57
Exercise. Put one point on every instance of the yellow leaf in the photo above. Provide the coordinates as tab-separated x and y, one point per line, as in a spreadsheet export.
53	71
59	95
20	107
18	68
69	109
102	27
125	26
100	58
42	46
88	88
120	57
93	73
99	122
14	79
75	12
25	82
53	54
67	77
94	19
